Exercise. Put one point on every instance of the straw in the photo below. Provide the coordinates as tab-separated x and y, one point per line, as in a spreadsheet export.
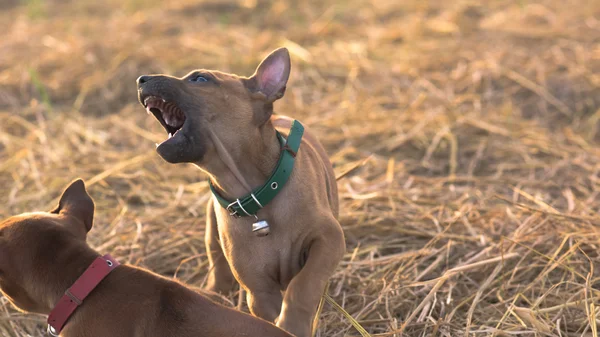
465	136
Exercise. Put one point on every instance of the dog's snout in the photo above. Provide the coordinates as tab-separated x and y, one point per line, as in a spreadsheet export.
143	79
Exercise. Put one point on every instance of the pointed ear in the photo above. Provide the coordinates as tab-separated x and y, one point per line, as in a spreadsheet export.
76	202
272	75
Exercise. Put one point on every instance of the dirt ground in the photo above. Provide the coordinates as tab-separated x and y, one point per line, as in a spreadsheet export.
475	212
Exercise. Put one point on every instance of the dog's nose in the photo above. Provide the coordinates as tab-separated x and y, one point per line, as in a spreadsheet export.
143	79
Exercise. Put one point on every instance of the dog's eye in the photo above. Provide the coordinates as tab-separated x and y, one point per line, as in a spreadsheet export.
198	78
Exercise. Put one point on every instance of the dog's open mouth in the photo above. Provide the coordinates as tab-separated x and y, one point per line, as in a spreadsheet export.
168	113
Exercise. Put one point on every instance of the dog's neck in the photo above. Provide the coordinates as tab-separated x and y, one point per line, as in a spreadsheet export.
71	267
238	169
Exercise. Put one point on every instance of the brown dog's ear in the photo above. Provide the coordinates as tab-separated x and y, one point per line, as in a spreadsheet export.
76	202
272	75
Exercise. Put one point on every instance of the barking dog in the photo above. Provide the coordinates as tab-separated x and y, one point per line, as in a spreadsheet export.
268	174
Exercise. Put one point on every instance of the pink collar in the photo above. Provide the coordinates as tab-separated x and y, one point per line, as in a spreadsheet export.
74	296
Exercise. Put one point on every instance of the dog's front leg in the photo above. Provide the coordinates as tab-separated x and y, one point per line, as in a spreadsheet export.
220	279
306	288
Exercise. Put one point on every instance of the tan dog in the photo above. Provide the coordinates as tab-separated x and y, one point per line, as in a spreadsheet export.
224	124
43	254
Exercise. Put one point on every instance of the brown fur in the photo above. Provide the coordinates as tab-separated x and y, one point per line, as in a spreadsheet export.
42	254
230	131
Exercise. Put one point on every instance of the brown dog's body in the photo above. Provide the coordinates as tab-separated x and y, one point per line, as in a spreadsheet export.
223	123
299	255
42	254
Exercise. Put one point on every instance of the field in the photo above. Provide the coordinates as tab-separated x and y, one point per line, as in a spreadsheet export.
473	129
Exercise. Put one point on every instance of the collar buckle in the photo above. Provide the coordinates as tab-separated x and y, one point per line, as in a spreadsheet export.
232	211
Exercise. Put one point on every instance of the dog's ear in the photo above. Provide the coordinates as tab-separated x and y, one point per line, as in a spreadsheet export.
76	202
271	76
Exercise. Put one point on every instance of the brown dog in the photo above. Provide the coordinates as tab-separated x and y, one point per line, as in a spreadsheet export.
224	124
43	254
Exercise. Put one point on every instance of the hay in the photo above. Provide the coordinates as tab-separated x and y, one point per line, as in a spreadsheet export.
476	213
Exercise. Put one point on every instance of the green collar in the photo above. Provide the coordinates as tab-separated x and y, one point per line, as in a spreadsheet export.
260	197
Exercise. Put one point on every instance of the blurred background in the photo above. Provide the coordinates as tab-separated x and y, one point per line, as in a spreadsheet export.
473	126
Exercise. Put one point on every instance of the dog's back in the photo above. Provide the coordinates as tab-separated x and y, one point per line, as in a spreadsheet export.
140	303
43	254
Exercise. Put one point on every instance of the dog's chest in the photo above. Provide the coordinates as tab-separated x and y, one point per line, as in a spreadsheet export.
237	237
249	255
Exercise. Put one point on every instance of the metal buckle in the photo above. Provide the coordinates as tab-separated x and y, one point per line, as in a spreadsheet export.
51	331
233	212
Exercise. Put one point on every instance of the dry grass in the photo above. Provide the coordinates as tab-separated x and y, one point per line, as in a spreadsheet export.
477	213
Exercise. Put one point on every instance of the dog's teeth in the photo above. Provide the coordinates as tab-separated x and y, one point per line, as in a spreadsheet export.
156	144
170	135
164	100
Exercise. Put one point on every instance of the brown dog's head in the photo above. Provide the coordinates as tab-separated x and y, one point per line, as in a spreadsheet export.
34	248
187	107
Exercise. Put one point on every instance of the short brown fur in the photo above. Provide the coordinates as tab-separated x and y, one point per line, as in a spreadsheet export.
229	132
43	253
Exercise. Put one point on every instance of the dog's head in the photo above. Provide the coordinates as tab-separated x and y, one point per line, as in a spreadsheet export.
34	247
187	107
